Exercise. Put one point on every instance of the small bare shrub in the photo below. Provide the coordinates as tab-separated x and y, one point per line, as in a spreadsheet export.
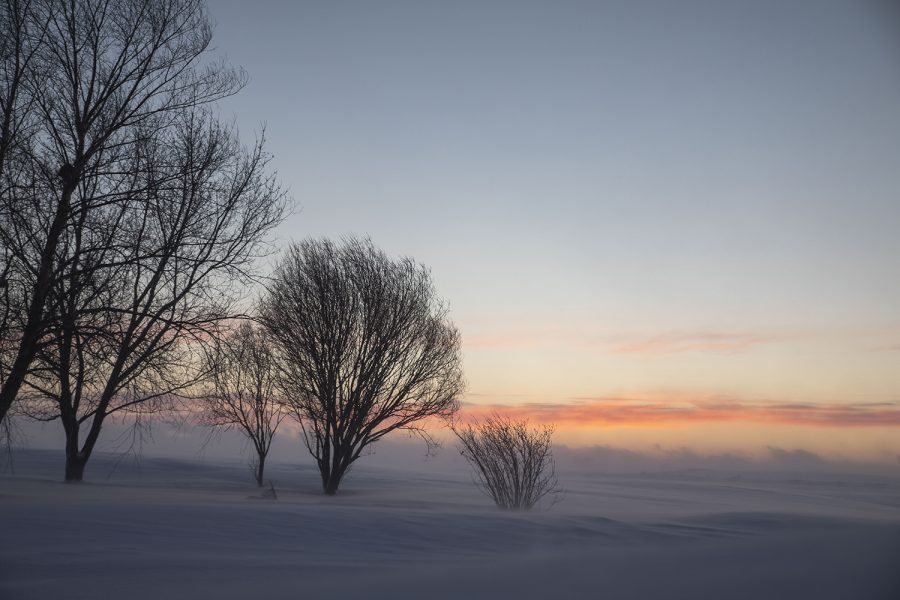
513	462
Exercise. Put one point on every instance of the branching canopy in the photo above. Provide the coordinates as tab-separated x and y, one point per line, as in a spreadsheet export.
243	395
367	348
513	462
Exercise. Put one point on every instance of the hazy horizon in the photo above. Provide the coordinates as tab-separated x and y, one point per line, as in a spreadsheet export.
648	344
681	216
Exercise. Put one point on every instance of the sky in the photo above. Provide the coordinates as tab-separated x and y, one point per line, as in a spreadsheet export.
656	224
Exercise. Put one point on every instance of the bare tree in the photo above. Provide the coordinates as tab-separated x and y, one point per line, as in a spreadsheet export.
27	239
243	368
84	84
513	462
129	336
367	348
163	213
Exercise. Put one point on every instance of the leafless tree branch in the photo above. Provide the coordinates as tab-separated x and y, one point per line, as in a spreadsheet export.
366	347
243	370
131	215
513	462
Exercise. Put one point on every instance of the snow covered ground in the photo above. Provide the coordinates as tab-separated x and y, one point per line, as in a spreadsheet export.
168	528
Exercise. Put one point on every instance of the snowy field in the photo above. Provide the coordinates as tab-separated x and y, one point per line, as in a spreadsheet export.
168	528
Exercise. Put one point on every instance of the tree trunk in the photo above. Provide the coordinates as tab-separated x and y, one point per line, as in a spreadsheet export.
75	459
333	472
31	333
331	477
330	483
74	468
260	466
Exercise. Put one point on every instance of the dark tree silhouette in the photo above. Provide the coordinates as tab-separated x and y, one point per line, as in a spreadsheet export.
242	368
135	214
86	86
367	348
29	228
513	462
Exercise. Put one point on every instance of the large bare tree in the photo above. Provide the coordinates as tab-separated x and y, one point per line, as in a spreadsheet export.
161	211
27	239
367	348
243	394
86	86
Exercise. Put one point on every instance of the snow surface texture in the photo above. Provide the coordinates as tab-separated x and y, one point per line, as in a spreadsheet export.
176	528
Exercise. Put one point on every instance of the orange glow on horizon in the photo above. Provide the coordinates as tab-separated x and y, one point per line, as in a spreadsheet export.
630	412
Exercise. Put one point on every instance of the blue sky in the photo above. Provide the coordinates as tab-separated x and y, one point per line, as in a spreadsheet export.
699	199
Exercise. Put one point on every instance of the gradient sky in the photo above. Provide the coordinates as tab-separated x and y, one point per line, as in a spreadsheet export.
670	223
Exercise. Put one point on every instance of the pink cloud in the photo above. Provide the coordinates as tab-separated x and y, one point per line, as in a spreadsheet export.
620	411
670	343
667	342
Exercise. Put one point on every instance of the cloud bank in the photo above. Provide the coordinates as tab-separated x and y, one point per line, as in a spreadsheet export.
624	411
